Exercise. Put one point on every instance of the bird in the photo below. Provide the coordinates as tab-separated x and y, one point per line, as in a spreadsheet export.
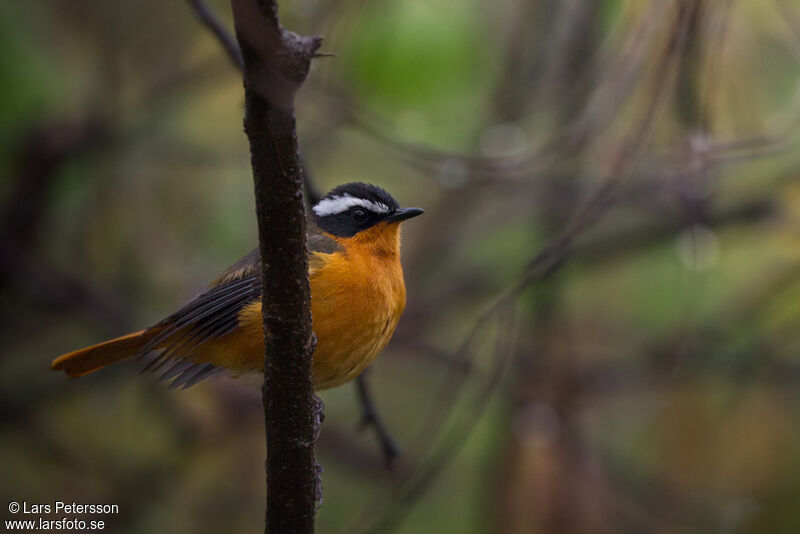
357	297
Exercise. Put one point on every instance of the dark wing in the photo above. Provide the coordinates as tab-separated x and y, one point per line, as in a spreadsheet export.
249	265
210	315
214	314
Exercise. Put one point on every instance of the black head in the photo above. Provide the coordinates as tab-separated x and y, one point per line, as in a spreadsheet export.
353	207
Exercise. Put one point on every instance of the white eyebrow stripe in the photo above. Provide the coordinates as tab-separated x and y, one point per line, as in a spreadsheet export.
339	204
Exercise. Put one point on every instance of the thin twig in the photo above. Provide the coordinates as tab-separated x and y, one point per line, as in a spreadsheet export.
212	22
371	417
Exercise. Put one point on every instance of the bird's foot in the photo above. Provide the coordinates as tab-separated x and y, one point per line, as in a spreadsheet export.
319	416
318	485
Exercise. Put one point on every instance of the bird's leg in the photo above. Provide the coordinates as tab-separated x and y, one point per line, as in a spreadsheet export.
370	417
319	417
318	489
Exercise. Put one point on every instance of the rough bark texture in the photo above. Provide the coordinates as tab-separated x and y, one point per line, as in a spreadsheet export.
276	63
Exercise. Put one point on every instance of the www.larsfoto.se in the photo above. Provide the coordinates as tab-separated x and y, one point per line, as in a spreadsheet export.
53	524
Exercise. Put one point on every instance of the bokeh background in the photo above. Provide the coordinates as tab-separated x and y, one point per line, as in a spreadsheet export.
603	324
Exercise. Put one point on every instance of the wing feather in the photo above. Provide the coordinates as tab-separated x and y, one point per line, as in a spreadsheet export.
215	313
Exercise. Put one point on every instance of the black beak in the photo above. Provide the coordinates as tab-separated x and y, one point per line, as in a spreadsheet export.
404	213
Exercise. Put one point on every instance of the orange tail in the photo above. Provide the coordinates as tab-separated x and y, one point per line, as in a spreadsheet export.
84	361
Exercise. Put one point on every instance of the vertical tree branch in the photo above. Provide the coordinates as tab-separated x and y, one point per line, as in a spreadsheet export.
370	415
276	63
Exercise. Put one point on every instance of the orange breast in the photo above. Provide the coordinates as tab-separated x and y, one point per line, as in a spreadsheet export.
355	307
357	298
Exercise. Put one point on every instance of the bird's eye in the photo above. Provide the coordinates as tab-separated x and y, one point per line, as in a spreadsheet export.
359	216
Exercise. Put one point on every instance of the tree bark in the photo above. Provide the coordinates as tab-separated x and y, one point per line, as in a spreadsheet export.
276	63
